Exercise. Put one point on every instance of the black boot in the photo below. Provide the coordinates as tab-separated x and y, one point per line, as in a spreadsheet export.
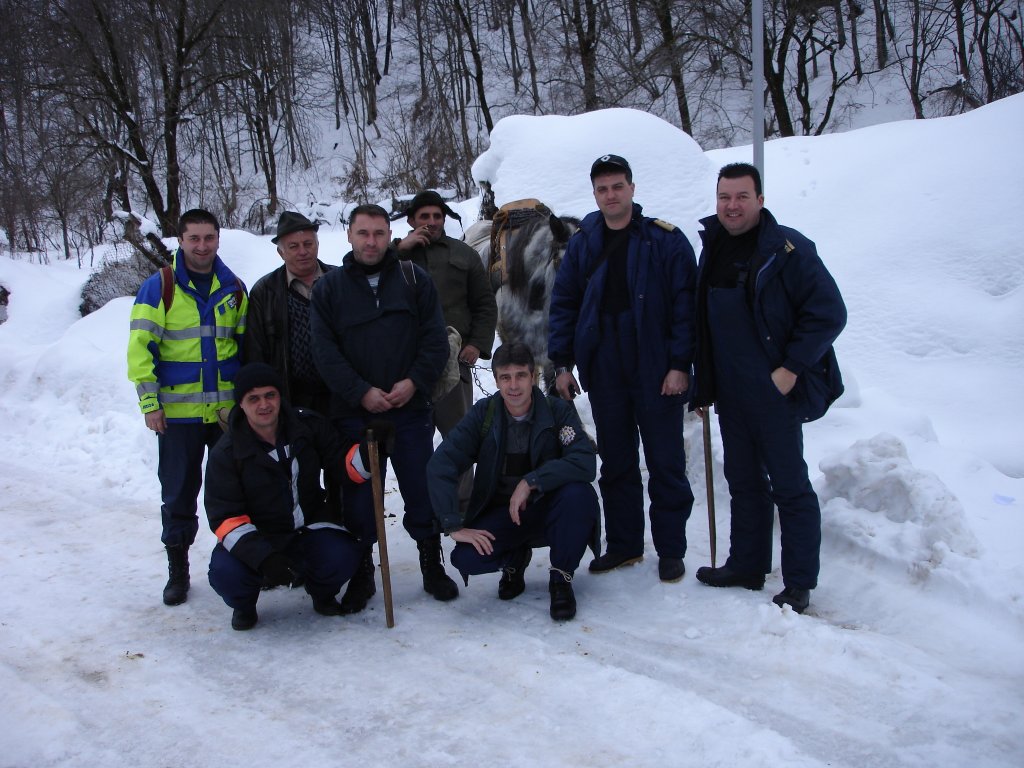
361	587
563	601
513	575
435	580
727	577
797	599
176	589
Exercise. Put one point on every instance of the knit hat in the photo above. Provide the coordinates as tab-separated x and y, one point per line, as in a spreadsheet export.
611	164
291	221
254	375
430	197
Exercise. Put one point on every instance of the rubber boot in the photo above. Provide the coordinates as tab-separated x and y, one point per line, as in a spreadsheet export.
361	587
176	589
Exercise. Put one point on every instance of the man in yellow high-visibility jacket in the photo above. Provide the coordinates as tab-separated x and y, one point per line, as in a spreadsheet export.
183	351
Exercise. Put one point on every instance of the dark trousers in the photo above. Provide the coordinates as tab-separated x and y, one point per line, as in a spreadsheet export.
413	447
448	412
180	469
563	519
326	557
624	414
762	436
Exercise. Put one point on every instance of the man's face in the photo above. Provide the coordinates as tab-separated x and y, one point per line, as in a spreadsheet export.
431	219
739	206
299	251
614	196
369	236
262	407
199	245
515	382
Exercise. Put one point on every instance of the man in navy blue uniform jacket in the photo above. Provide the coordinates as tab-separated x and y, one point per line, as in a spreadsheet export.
534	469
622	312
768	312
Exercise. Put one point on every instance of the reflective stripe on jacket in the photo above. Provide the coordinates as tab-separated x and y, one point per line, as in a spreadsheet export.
184	359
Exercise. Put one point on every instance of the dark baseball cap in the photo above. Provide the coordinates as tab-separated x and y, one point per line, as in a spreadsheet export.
291	221
611	164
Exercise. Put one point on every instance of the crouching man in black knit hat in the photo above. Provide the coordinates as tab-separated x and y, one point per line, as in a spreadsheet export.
275	524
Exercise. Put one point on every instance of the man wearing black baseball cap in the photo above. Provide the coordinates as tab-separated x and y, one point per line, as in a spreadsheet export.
467	301
274	523
622	313
277	330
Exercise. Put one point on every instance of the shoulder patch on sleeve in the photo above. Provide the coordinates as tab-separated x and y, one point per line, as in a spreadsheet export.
668	227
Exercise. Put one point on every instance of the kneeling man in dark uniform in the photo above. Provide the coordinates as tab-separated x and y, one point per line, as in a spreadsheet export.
532	487
275	524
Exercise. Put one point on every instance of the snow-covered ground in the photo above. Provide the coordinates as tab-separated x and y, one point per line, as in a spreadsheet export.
909	656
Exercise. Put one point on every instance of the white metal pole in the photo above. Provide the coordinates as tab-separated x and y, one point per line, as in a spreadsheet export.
757	57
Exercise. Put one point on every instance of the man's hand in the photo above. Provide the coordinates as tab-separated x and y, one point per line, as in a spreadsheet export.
401	393
375	401
419	236
520	498
156	421
784	380
567	385
480	539
469	355
675	383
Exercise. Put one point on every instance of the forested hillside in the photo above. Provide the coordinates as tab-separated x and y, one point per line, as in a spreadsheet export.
248	108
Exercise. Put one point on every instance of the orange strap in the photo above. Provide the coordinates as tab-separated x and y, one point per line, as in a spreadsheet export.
230	524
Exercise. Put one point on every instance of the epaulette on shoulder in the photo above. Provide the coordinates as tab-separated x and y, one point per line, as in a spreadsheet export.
667	226
790	247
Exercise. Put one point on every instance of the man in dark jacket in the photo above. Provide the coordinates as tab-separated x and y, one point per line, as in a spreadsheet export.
535	465
274	522
380	344
768	312
467	301
278	322
622	312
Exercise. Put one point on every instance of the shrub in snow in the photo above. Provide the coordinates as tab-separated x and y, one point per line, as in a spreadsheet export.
120	275
5	296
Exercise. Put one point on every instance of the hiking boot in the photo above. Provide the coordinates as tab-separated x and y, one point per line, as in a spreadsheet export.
176	589
435	581
797	599
361	587
563	601
609	561
671	569
327	606
244	618
513	575
727	577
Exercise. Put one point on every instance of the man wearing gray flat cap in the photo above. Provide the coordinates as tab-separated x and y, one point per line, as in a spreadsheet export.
278	322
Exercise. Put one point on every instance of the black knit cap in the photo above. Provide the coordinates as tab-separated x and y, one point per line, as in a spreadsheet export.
253	376
611	164
291	221
430	197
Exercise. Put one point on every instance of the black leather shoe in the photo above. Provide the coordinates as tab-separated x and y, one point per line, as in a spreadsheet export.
244	618
727	577
671	569
797	599
513	575
327	606
563	600
609	561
